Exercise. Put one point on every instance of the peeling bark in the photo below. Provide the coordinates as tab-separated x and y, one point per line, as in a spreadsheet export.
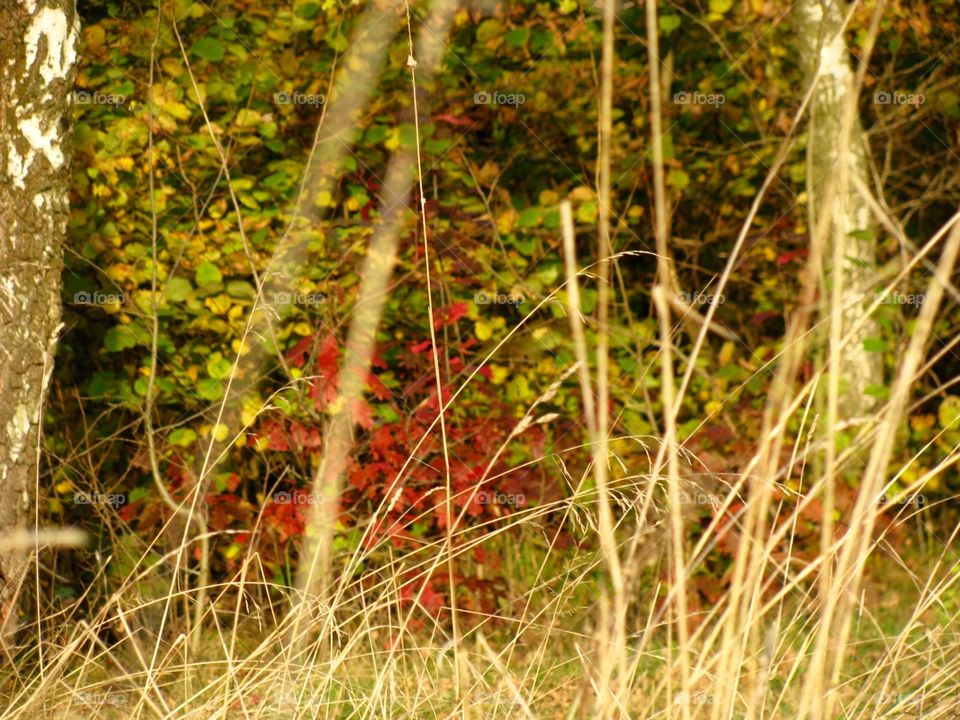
820	32
38	52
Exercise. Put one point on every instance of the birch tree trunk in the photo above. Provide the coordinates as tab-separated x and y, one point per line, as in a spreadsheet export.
38	52
849	234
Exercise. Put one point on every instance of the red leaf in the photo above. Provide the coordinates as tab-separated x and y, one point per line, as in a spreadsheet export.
450	314
327	355
792	255
451	120
379	390
298	354
362	415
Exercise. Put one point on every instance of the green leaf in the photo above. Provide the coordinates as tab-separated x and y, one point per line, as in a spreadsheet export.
518	389
119	337
178	289
517	37
209	389
862	234
669	23
241	289
489	29
218	367
678	179
881	392
859	262
208	48
308	11
183	437
588	300
208	274
530	217
949	413
874	345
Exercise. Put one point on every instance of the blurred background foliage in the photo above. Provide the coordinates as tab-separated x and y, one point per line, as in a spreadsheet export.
493	176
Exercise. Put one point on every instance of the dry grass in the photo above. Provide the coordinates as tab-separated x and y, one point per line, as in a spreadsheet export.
590	631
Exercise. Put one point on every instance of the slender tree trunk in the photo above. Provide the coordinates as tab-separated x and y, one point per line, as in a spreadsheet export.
38	52
849	235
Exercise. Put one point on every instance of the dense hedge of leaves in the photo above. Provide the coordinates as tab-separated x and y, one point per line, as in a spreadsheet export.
494	174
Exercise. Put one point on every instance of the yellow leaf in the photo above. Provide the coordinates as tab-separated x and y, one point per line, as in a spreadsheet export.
94	36
482	330
248	118
251	407
393	139
118	272
171	66
581	193
324	199
302	328
219	305
220	432
726	353
176	109
498	374
549	198
63	487
506	220
334	407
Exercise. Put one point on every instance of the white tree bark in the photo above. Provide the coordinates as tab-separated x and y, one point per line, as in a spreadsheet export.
38	53
820	33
